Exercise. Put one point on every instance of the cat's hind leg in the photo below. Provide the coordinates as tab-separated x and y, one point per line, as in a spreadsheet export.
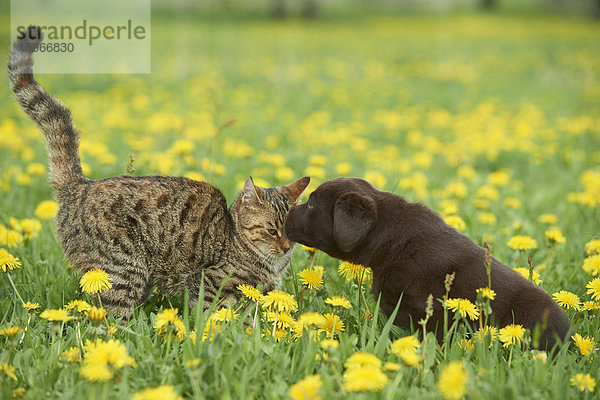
129	288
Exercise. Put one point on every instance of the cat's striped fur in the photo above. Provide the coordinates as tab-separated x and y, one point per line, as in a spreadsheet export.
147	231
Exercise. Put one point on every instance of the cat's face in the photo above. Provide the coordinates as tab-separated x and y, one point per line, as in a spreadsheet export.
261	215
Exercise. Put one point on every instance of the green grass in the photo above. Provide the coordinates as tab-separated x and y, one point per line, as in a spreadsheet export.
399	99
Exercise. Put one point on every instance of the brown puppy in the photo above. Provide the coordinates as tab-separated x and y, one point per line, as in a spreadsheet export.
411	249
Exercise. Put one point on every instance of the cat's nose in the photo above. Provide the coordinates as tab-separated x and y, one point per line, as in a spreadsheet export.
285	247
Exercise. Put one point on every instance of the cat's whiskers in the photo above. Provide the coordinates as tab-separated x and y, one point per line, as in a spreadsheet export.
273	260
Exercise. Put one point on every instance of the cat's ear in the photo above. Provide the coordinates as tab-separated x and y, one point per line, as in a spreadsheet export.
251	192
295	189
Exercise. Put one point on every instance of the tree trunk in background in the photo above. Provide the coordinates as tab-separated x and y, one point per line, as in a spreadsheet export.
596	8
279	10
488	4
310	9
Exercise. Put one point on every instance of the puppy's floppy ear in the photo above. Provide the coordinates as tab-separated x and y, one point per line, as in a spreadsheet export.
353	217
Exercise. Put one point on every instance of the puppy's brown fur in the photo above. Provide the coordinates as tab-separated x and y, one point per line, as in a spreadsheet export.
411	249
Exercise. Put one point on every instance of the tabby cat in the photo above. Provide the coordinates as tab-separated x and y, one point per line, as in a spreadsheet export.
157	230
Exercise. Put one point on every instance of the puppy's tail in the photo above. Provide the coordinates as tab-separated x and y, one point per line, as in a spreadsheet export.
52	117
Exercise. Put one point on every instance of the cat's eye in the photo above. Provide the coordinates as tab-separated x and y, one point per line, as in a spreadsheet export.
272	232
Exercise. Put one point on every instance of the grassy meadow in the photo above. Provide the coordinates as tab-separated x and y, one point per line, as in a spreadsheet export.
493	121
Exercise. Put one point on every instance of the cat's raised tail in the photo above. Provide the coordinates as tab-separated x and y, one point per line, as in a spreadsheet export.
52	117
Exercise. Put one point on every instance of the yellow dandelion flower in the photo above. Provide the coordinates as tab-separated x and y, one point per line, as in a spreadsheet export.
192	336
10	331
453	380
317	159
591	264
540	356
210	329
8	370
353	271
403	344
361	360
343	168
60	315
487	293
456	189
72	355
30	227
512	202
81	306
548	219
96	314
95	280
486	218
592	247
223	315
466	344
490	332
93	372
329	344
250	292
168	322
31	306
279	300
522	243
332	325
467	172
535	276
554	235
10	238
311	319
284	320
376	178
365	379
590	306
47	209
584	344
481	204
280	334
99	355
593	288
163	392
567	299
499	178
36	169
314	172
111	330
511	334
410	358
338	301
18	393
584	382
391	366
306	248
456	222
487	192
8	262
193	363
14	224
306	389
448	207
464	306
311	278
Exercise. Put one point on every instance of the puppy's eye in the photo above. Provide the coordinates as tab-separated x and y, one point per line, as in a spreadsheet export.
309	206
272	232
